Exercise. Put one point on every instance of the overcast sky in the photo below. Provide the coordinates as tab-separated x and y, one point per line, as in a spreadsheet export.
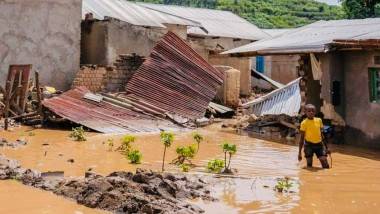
332	2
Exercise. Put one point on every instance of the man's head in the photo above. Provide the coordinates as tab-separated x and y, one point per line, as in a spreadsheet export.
310	111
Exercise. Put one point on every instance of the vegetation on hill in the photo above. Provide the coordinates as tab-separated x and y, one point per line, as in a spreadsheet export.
269	13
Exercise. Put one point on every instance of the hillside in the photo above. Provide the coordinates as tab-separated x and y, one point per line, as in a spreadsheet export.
269	13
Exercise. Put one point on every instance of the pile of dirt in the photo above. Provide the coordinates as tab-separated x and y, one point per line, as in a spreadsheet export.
122	192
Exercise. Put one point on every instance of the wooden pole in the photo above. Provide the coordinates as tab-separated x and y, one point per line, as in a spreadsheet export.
39	95
6	100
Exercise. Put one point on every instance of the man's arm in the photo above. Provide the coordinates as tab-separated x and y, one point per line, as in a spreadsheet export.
302	139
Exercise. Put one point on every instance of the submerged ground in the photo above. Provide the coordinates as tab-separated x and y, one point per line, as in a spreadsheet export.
351	186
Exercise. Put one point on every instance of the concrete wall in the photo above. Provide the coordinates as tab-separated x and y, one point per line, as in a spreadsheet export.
242	64
362	116
282	68
45	33
104	41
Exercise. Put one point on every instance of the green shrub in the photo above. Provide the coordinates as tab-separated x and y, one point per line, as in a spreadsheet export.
283	184
215	165
126	146
135	156
78	134
185	153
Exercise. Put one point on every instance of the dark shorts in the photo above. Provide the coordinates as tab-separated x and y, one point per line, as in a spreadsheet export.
314	148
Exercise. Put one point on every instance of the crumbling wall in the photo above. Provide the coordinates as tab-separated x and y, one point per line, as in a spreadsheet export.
111	78
104	41
45	33
94	78
243	64
362	116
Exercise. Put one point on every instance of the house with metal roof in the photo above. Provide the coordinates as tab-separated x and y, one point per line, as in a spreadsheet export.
114	27
340	63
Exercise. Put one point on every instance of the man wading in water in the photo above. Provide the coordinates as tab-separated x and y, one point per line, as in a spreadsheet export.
311	138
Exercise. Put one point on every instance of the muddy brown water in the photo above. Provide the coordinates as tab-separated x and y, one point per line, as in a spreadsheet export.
351	186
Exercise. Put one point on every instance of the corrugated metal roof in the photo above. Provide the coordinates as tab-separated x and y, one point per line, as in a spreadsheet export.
314	37
103	116
218	23
285	100
132	13
175	78
277	32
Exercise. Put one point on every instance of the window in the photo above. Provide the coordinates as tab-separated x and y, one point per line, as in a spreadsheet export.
374	84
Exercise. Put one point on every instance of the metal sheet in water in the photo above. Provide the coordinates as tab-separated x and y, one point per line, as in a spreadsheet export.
176	78
103	116
285	100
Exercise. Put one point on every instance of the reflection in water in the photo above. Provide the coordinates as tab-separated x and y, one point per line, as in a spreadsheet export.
352	186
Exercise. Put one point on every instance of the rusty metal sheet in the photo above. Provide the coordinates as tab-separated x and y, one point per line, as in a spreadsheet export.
103	116
176	78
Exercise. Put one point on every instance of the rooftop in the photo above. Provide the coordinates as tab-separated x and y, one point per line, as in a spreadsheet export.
218	23
316	37
132	13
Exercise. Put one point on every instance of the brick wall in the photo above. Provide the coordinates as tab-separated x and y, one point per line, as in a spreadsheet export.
113	78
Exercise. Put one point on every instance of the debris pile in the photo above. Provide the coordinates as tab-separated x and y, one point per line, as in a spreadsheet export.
121	192
104	113
280	128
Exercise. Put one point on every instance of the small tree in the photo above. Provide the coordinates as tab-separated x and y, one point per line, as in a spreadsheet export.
78	134
134	156
198	138
185	153
231	150
167	139
125	146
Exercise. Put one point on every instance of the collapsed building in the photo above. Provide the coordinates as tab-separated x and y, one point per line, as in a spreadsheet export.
114	27
340	69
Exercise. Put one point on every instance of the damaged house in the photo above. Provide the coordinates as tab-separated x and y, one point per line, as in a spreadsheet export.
115	27
340	66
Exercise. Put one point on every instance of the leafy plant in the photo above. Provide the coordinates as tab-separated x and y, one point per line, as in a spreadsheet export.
185	153
231	149
185	167
110	144
126	146
215	165
135	156
283	184
198	138
167	139
78	134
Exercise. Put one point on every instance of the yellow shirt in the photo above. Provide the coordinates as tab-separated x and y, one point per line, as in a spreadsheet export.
312	129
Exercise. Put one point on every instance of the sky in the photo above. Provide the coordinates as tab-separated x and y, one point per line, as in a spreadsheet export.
331	2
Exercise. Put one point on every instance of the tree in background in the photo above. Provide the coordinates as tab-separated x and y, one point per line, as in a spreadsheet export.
359	9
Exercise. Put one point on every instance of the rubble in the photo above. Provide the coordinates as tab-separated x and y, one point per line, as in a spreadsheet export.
121	192
280	128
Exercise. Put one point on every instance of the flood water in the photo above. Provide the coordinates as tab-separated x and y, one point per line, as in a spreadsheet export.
351	186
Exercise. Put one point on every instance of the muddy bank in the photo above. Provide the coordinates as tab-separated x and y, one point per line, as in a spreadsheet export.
122	192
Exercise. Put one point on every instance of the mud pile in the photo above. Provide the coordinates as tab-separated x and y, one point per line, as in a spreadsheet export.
122	192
